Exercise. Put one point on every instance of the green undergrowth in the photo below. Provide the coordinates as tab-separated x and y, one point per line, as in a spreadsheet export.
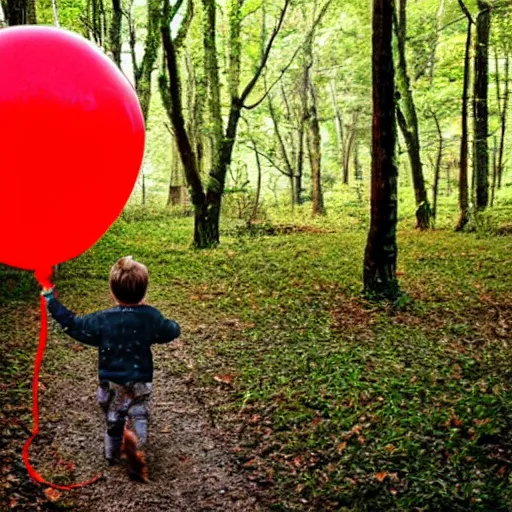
342	404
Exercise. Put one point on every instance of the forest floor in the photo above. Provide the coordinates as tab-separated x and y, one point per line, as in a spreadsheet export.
287	390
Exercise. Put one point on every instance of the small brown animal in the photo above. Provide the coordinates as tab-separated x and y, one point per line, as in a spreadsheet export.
137	467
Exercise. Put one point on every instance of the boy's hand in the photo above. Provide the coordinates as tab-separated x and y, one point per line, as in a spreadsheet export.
47	293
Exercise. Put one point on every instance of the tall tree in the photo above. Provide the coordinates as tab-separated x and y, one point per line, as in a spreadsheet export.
463	165
115	31
437	167
502	25
19	12
311	108
408	120
207	200
480	108
381	251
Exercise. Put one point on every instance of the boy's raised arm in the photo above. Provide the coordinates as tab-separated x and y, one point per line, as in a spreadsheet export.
84	329
167	330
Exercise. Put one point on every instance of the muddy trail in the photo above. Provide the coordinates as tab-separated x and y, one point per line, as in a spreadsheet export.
191	459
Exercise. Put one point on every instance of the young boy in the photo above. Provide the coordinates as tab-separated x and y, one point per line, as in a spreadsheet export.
124	335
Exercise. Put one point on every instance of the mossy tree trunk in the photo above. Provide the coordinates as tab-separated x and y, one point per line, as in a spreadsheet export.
463	164
381	250
480	108
207	199
408	120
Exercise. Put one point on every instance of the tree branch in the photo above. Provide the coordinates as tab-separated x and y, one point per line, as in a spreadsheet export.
466	12
250	86
272	163
299	48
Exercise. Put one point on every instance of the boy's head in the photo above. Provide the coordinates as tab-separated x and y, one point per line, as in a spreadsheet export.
129	281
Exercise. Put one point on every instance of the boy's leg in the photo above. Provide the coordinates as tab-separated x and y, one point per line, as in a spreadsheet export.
138	413
104	396
116	419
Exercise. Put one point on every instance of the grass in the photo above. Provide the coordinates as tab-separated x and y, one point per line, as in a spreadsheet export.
342	404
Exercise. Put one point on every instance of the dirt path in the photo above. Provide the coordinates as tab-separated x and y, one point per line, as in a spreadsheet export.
191	461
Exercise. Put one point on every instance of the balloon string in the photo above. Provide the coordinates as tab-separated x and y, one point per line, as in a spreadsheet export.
43	332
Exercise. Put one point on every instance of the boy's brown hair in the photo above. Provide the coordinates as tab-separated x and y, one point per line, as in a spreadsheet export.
129	280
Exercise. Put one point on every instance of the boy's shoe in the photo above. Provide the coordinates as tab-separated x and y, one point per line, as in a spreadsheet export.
114	461
137	467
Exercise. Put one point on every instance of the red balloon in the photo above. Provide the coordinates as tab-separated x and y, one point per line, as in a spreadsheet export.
72	139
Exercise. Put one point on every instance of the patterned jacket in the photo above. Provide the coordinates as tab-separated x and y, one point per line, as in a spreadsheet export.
123	335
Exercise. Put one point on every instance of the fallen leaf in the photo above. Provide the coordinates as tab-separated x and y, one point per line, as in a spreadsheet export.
223	379
297	461
482	422
165	430
456	422
393	492
390	448
342	446
256	418
316	420
381	476
52	495
361	440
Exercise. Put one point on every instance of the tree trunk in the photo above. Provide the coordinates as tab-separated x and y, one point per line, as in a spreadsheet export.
338	118
299	165
381	250
316	156
408	122
283	148
437	170
435	42
255	207
115	32
480	110
463	172
349	149
55	10
212	79
17	11
358	172
31	12
144	71
503	107
494	169
208	203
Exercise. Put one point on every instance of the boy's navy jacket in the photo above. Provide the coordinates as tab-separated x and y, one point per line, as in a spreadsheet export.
123	335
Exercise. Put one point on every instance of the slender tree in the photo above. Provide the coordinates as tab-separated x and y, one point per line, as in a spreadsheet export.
381	251
408	120
207	200
311	107
19	12
502	96
437	168
480	108
463	165
115	31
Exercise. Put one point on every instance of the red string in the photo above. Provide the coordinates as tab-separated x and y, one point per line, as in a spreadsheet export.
44	279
